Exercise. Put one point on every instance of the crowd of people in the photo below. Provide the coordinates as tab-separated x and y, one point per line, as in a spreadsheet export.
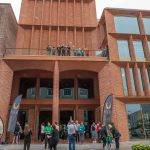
74	132
65	50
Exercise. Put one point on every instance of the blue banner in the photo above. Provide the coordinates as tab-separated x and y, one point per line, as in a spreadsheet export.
107	110
14	114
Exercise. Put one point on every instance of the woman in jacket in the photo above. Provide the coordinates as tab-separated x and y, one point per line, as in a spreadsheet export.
103	134
81	131
27	137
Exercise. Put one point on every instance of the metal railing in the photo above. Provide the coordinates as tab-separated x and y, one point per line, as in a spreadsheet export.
54	52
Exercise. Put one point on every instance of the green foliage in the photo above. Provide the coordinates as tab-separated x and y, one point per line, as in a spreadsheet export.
140	147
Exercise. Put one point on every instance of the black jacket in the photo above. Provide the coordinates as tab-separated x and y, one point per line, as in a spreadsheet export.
103	132
27	138
115	132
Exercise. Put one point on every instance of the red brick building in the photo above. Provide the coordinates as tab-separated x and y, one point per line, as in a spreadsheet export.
57	88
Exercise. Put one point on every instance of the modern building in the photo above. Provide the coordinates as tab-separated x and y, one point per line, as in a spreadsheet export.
106	57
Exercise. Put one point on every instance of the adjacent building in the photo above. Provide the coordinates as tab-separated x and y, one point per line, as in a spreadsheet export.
106	57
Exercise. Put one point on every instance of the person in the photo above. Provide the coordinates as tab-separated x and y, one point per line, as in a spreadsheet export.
63	132
27	137
55	139
16	133
71	134
98	131
77	134
49	50
68	50
94	132
116	135
109	139
48	130
42	134
81	131
103	134
59	50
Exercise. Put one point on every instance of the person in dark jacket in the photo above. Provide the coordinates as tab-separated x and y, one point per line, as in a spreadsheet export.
103	135
55	139
116	135
27	137
16	133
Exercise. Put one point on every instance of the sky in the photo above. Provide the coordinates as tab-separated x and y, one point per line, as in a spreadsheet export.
100	5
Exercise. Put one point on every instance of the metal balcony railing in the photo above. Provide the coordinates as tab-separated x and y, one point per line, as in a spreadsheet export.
55	52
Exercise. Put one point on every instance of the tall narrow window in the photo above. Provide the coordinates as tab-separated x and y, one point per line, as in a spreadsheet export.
149	45
124	81
146	22
139	51
133	81
123	49
148	78
124	24
140	80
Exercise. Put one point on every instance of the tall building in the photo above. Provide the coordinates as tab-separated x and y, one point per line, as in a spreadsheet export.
75	83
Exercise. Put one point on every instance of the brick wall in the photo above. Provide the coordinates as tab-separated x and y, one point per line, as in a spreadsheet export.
6	76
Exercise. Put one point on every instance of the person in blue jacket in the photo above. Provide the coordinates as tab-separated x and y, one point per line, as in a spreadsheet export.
81	132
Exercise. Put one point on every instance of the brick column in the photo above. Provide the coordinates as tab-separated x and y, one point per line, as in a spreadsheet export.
129	82
6	77
137	82
145	80
55	113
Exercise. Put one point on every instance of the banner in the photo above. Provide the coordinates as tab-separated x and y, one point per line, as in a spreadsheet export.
14	114
107	110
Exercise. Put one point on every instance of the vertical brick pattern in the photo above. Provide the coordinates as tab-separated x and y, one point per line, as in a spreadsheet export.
6	76
56	93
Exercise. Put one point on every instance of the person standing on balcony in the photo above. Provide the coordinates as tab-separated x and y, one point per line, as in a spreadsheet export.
68	50
59	50
49	50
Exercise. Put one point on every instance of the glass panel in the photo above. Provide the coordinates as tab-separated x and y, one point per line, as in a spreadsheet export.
148	78
125	24
140	80
146	22
135	121
133	81
149	45
123	49
146	118
85	88
27	87
1	128
66	87
46	88
138	49
124	81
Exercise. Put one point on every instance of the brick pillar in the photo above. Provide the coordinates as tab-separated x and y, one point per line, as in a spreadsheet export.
6	77
31	121
55	113
119	117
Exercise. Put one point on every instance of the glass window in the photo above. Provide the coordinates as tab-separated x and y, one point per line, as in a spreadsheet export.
133	81
146	22
138	49
85	89
125	24
27	87
123	49
140	80
149	45
135	122
124	81
66	88
148	78
46	88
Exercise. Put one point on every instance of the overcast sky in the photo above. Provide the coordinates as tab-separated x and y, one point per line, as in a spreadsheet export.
100	5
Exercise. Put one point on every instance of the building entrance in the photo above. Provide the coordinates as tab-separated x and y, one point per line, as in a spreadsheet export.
45	117
65	116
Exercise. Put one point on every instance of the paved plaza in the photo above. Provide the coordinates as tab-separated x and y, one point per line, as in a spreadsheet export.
124	146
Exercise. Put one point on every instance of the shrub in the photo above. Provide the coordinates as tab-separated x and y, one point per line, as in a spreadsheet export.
140	147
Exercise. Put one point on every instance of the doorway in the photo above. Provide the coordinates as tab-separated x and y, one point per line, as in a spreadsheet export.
65	116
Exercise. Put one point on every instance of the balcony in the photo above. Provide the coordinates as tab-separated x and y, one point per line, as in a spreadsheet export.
54	52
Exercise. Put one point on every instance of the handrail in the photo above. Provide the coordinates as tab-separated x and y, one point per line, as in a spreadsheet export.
55	52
